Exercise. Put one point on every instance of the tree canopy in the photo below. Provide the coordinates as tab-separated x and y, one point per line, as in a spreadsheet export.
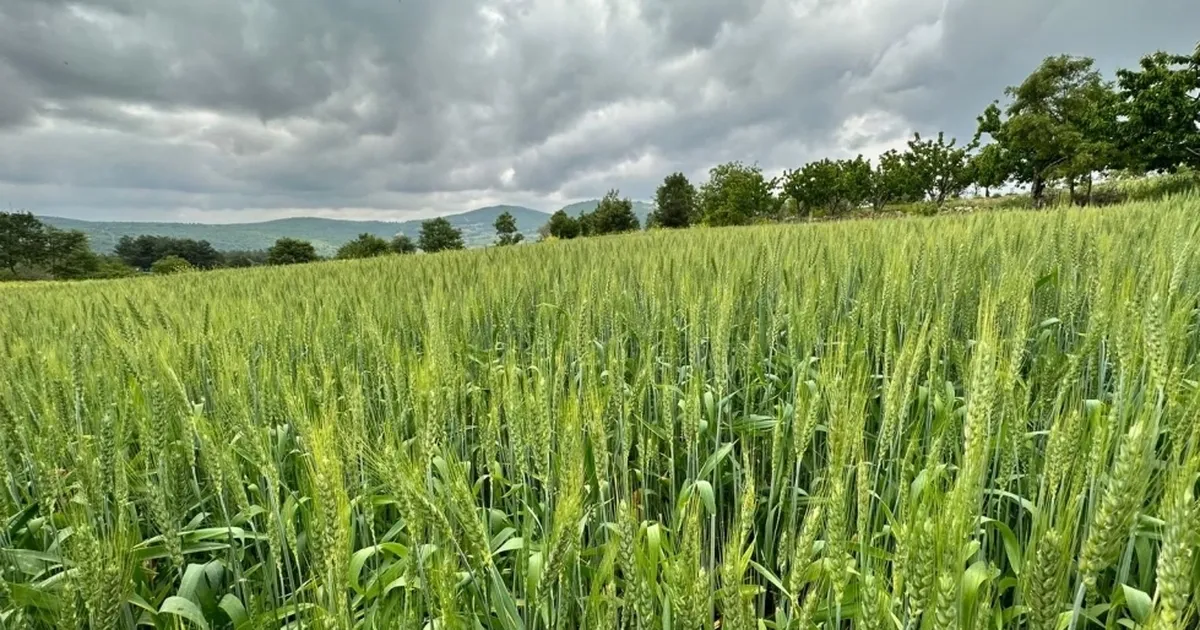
438	235
170	264
1160	106
365	246
612	215
1056	125
31	248
506	230
68	256
735	194
23	240
674	203
939	169
562	225
290	251
402	244
142	251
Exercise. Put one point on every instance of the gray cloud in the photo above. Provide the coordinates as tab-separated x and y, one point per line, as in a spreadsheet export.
231	110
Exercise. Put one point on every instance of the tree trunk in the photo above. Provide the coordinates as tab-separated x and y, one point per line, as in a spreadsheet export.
1089	189
1071	191
1037	190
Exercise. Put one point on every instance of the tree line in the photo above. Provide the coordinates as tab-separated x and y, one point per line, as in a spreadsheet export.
1064	126
33	250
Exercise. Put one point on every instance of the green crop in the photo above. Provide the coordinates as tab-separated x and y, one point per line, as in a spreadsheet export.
982	421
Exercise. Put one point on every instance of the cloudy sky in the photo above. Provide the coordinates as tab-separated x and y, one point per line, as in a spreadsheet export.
239	110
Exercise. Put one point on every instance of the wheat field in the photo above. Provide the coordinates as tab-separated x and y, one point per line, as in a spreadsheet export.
983	421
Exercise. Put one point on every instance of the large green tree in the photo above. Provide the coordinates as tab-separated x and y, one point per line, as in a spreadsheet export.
402	244
813	186
1056	125
735	194
290	251
1159	129
28	245
613	215
989	168
939	168
894	180
365	246
834	186
68	256
674	203
438	235
506	230
23	241
562	225
856	182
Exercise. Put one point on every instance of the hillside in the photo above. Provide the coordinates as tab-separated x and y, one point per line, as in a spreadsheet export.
325	234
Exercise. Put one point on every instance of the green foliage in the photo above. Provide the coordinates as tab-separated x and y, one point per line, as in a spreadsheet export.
563	225
829	187
1159	101
438	235
989	168
674	203
1059	124
23	240
68	256
642	209
290	251
365	246
506	230
735	194
402	244
143	251
938	169
612	215
170	265
244	258
113	267
32	250
813	186
895	181
856	182
977	421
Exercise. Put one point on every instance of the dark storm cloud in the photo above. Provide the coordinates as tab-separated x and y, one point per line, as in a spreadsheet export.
696	24
238	110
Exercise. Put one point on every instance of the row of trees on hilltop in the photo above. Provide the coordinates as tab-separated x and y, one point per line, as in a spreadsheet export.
1064	126
612	215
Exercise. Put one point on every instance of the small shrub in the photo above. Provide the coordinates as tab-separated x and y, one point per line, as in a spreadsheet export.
170	265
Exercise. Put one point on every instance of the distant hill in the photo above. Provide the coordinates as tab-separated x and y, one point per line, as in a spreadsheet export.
325	234
641	208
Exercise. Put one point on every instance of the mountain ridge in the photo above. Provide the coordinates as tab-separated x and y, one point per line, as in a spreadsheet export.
326	235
